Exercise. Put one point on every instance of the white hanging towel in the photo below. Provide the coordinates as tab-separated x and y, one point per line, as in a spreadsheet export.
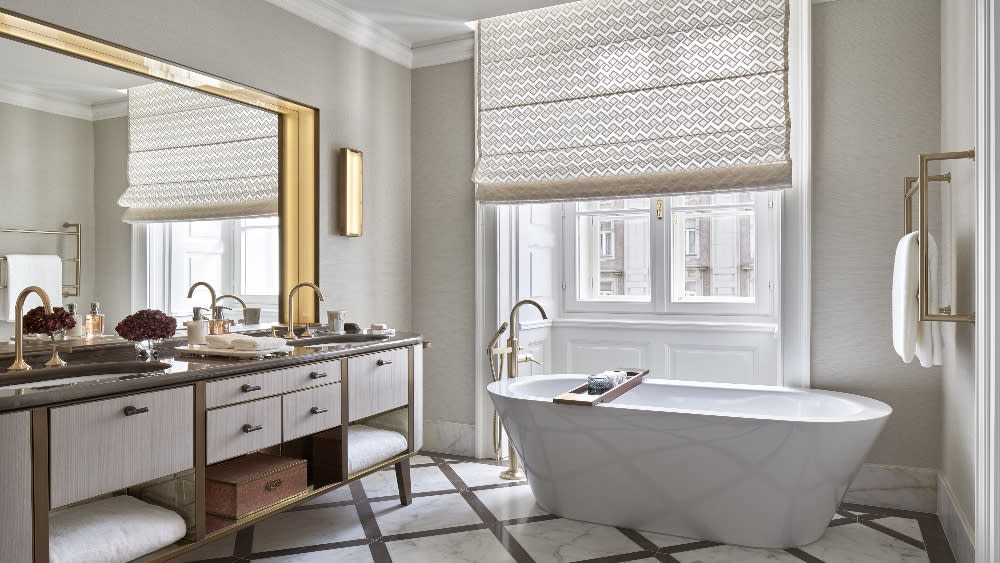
930	346
905	303
43	270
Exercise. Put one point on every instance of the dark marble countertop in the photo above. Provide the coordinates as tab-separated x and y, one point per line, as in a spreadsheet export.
180	370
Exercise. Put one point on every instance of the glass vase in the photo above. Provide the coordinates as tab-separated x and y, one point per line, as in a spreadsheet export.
148	349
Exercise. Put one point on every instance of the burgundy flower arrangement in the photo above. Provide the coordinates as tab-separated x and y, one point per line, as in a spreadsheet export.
37	321
147	324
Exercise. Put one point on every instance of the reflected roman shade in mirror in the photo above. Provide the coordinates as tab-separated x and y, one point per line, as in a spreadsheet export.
193	157
626	98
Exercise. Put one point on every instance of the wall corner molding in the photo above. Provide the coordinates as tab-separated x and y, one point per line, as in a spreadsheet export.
956	527
42	101
109	110
449	50
352	26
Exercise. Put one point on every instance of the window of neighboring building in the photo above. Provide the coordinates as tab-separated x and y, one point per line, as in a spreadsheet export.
706	255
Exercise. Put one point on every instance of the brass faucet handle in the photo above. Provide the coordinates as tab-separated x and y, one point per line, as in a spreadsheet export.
500	351
527	357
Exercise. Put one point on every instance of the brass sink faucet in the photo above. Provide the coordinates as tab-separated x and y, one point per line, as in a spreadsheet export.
291	310
211	290
19	363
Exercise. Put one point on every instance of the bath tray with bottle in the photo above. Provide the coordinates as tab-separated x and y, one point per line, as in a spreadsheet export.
581	395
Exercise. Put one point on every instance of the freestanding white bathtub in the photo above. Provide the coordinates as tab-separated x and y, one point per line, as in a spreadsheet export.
740	464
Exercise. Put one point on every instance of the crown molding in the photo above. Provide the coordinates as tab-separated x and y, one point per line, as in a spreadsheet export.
352	26
445	51
109	110
32	98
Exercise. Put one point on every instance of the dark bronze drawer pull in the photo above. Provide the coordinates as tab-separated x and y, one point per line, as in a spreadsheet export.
317	375
384	362
318	410
131	411
272	485
248	428
247	388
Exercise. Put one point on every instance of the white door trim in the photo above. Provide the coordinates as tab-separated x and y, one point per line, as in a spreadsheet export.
987	496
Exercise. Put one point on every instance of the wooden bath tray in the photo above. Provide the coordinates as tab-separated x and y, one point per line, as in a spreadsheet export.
579	395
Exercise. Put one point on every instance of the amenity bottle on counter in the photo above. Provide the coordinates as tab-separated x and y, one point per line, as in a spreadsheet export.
95	320
78	329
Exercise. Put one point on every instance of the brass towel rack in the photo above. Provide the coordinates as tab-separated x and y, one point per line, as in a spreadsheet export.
70	229
920	190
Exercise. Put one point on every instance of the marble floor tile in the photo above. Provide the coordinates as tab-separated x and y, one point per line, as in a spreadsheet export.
557	541
665	540
222	547
510	502
732	553
475	474
337	495
479	546
422	479
907	526
856	543
307	527
426	513
421	459
358	554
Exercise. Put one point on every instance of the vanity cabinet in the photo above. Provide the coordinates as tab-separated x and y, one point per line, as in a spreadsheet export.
239	429
377	382
15	495
103	446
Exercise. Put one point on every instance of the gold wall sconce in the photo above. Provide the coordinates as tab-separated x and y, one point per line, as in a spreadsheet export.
351	191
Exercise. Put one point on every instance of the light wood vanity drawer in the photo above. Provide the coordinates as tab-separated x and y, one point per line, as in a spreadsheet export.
243	428
244	388
377	382
103	446
15	495
312	375
309	411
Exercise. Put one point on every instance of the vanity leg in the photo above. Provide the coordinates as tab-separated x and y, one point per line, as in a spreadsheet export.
403	482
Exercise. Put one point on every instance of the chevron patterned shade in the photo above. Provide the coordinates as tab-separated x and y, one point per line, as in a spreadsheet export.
629	98
198	157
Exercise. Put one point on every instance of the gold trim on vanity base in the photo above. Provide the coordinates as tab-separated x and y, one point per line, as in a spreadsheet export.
298	139
40	482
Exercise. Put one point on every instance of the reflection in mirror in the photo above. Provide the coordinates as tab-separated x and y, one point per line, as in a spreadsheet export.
64	148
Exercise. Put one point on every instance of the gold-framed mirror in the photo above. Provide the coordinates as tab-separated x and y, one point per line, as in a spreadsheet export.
298	130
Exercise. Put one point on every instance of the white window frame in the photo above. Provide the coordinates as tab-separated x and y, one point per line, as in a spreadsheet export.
661	302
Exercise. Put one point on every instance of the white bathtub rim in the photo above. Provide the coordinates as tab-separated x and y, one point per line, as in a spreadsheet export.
870	408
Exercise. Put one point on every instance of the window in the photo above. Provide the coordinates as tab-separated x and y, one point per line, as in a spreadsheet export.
702	254
236	256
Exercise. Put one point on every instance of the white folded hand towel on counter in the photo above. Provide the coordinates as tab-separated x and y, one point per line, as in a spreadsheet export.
43	270
116	529
905	301
250	343
224	341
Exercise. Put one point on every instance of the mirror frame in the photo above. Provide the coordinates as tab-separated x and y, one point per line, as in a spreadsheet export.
298	140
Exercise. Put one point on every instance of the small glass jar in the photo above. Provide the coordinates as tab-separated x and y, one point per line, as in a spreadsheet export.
599	384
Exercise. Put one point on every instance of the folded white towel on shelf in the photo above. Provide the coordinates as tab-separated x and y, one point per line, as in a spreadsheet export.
43	270
368	446
929	345
116	529
258	343
224	341
905	276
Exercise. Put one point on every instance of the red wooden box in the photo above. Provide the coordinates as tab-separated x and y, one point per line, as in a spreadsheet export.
249	483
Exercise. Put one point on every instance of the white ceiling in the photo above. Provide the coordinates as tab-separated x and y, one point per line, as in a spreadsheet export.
41	79
427	21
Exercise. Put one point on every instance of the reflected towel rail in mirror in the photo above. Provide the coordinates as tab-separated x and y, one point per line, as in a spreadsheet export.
71	229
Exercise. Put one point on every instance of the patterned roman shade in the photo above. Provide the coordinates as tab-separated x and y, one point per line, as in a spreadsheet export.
193	156
627	98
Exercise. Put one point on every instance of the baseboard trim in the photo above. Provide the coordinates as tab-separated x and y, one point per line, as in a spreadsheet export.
446	437
956	526
895	486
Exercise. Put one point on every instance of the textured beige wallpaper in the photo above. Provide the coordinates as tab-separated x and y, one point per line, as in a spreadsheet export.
876	105
444	237
112	238
364	103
